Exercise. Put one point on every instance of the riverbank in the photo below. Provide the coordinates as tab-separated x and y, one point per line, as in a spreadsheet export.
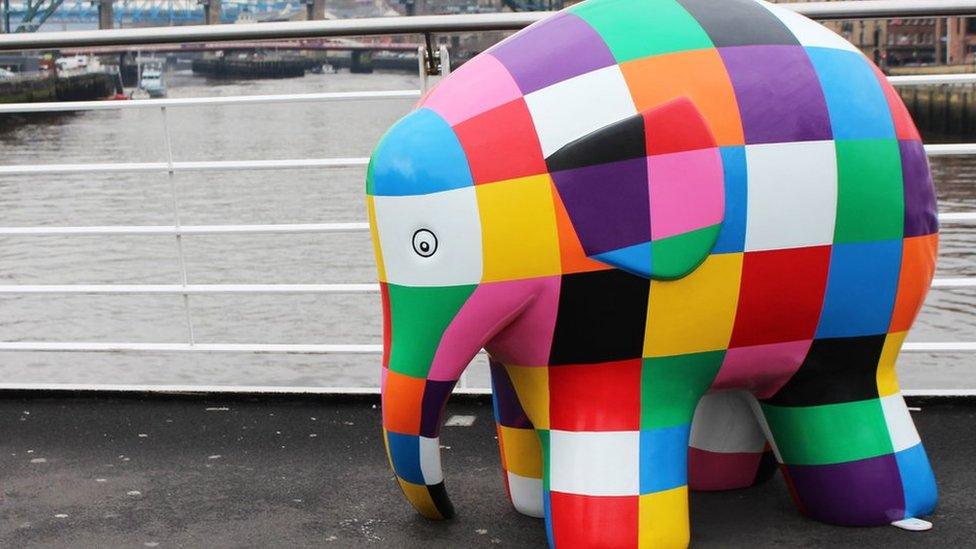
79	87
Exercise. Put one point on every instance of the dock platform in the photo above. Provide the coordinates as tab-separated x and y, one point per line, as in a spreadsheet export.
103	470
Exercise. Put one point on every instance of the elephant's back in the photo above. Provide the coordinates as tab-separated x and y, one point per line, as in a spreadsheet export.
791	103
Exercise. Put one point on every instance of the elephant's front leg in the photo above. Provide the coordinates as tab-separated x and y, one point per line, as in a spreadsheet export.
616	451
518	443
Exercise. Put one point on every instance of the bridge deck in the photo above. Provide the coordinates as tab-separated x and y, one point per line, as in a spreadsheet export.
103	471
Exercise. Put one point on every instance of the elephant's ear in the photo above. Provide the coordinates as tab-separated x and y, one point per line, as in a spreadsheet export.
645	194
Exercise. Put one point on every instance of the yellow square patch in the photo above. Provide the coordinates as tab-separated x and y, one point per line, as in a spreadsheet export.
664	519
419	497
887	379
371	211
518	224
694	314
532	387
522	451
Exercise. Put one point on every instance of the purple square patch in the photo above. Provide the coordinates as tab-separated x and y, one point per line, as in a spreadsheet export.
921	216
856	493
607	204
779	94
560	48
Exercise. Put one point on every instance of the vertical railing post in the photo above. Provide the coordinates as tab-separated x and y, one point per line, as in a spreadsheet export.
422	68
174	193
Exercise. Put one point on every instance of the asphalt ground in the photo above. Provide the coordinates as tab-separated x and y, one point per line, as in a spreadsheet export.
105	471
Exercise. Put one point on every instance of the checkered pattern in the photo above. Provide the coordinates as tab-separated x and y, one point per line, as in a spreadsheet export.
639	201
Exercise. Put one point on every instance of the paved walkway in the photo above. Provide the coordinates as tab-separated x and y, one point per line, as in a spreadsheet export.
224	472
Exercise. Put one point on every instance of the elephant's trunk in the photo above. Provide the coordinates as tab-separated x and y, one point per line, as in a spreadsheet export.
415	458
431	335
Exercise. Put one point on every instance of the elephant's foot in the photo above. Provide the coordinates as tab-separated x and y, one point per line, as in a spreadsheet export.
913	524
857	463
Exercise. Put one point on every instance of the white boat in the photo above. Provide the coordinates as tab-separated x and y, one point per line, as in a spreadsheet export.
151	81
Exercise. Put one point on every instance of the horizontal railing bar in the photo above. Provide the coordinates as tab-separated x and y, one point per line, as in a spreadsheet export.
962	282
274	348
170	230
932	79
271	31
258	348
216	289
296	228
957	217
62	106
424	24
883	9
940	346
192	289
230	389
193	166
951	149
956	149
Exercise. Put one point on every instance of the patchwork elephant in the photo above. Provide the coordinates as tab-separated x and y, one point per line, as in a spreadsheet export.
643	207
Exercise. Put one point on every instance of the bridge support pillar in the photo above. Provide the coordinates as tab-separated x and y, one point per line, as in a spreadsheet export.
211	12
106	14
315	10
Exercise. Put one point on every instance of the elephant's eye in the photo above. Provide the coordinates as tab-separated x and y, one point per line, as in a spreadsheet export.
424	243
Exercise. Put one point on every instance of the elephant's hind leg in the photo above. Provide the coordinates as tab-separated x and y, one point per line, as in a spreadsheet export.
851	453
518	443
728	449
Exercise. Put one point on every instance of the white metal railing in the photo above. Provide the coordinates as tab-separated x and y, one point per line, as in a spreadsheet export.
823	10
427	24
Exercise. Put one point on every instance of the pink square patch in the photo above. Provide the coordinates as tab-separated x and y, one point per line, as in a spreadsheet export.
478	86
687	191
761	369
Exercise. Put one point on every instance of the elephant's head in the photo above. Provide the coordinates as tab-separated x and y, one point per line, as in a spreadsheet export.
467	263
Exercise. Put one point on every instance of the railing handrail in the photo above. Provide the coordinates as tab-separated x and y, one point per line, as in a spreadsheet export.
188	166
952	149
225	289
318	348
172	230
426	24
325	97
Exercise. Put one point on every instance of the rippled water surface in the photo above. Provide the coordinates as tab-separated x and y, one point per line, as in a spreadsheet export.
306	130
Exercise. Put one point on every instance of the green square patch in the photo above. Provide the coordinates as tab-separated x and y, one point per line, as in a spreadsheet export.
832	433
418	317
675	256
640	28
671	387
870	195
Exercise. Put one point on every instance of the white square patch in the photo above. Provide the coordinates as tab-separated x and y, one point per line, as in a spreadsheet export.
526	495
605	463
792	194
724	423
452	217
807	31
576	107
430	460
901	428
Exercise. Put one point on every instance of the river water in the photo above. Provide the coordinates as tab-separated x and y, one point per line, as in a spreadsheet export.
305	130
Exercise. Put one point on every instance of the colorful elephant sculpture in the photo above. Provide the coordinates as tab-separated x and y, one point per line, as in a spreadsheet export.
635	206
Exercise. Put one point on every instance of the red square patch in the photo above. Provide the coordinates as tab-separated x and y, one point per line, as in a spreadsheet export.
595	397
780	296
504	133
594	521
